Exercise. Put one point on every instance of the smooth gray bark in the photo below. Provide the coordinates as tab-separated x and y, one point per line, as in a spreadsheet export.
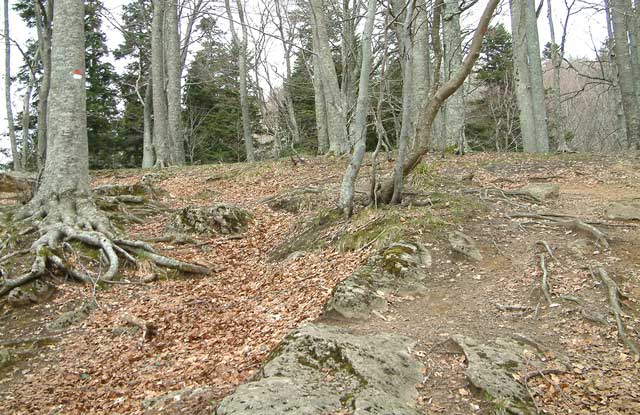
66	170
161	144
287	44
241	47
17	162
528	76
359	130
619	11
147	140
621	130
453	109
407	99
173	62
556	60
43	19
336	113
322	127
421	63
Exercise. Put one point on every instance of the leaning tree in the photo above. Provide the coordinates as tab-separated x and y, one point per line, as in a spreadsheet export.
63	209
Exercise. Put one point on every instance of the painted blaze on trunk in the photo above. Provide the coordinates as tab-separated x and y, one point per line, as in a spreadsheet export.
67	167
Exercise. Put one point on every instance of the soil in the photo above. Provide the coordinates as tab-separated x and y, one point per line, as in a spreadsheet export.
214	332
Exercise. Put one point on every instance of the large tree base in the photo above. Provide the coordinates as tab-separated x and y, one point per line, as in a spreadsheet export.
60	226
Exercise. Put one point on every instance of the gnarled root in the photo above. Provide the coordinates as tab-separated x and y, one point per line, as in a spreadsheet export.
77	219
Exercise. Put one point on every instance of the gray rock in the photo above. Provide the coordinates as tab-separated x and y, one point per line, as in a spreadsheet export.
581	247
398	268
73	317
219	218
619	211
176	401
464	245
541	191
491	368
322	369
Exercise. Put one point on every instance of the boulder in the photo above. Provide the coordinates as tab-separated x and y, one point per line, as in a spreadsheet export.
297	200
541	191
398	268
220	218
464	245
322	369
619	211
496	367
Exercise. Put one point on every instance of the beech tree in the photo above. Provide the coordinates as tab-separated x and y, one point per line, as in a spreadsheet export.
63	208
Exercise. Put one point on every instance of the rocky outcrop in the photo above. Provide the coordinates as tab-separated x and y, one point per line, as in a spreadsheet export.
620	211
216	219
464	245
322	369
496	367
540	191
399	268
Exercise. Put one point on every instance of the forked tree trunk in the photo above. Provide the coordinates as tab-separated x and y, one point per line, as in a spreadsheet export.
359	136
431	108
336	113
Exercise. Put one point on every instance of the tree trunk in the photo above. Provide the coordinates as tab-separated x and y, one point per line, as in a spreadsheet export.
336	113
407	98
66	173
528	76
557	131
173	63
17	162
455	117
43	19
359	130
421	64
147	141
322	127
241	47
621	130
619	10
431	108
161	144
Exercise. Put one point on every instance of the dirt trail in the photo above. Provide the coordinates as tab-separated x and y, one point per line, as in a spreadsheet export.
216	331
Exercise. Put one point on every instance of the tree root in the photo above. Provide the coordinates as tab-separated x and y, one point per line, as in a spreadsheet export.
546	288
67	219
614	294
572	223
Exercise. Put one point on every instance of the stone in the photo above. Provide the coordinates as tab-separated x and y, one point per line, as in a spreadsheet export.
73	317
541	191
464	245
492	367
398	268
322	369
581	247
620	211
297	200
219	218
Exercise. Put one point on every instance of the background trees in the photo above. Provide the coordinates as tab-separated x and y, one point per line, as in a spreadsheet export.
295	67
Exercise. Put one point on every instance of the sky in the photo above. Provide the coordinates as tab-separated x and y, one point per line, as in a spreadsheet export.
585	30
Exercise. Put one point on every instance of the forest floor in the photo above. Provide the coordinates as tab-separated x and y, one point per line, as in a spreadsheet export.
214	332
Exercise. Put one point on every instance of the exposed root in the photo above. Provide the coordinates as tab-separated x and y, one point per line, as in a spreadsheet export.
548	248
72	218
614	294
546	288
572	223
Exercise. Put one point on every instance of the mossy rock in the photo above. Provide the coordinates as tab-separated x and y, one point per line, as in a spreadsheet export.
399	268
297	200
321	369
307	235
73	317
219	218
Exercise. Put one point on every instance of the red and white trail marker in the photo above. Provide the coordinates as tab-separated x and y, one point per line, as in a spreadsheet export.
77	74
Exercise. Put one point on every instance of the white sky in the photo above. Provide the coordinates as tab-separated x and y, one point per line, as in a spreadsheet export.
585	30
